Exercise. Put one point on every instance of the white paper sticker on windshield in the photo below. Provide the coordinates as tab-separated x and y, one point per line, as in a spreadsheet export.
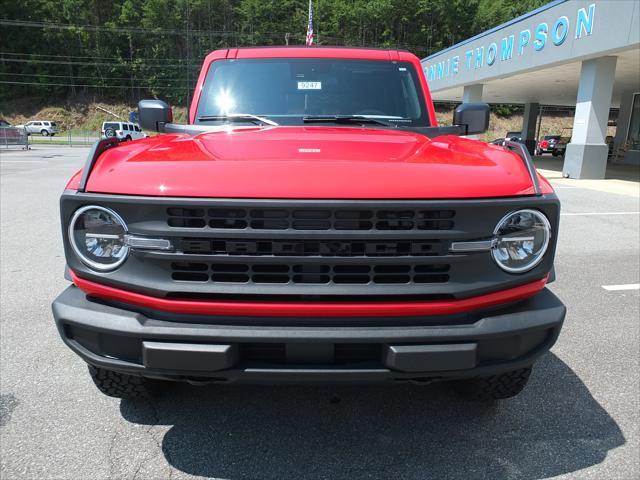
309	85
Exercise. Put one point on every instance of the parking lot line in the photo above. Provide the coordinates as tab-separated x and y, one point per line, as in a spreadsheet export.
575	214
22	161
628	286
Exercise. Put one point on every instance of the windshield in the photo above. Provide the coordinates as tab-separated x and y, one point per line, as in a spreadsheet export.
287	90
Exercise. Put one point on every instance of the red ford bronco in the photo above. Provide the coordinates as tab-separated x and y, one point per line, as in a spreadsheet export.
310	223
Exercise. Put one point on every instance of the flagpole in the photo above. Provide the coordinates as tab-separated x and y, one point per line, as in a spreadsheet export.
318	23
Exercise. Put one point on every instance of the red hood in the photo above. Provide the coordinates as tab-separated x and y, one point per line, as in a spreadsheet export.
311	162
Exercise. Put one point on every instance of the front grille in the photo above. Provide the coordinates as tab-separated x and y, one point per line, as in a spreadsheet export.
321	274
310	219
324	248
310	250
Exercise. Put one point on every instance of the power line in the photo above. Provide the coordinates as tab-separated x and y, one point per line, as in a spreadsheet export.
123	64
88	56
91	77
95	28
201	33
85	86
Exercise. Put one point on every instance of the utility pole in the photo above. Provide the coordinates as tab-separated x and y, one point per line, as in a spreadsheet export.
188	41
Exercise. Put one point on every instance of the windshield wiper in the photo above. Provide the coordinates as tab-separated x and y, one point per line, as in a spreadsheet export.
343	119
238	117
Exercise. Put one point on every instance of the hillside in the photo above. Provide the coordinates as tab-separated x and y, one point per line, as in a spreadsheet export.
79	115
88	115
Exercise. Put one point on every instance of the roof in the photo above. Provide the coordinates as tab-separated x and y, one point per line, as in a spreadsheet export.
499	27
298	51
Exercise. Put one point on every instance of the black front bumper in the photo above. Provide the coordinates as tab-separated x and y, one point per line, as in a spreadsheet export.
264	350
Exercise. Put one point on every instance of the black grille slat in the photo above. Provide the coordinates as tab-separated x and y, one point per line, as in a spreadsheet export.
310	219
320	274
301	248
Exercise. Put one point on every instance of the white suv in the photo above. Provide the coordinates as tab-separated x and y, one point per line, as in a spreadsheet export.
40	127
122	130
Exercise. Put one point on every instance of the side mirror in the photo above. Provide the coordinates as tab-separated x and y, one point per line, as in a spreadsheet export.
474	117
154	114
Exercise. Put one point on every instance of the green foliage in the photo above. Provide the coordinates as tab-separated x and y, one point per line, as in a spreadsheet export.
505	110
130	49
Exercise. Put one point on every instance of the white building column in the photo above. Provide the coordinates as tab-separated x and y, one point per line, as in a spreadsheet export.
624	117
472	94
586	155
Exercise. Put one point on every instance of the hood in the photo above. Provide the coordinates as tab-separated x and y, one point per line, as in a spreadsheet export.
310	163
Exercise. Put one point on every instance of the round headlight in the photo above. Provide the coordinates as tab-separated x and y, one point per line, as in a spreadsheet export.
522	238
97	235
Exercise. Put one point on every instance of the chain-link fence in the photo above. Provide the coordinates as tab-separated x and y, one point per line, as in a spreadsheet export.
69	138
14	137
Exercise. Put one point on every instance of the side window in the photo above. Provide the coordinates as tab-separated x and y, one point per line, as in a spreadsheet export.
125	127
37	124
137	128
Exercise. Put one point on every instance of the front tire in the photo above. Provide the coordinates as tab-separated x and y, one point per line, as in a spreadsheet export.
44	133
494	387
121	385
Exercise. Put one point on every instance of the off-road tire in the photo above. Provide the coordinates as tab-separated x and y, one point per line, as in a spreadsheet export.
121	385
109	132
128	138
494	387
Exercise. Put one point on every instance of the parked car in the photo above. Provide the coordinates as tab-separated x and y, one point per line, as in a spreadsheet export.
40	127
122	130
10	135
546	144
303	227
561	144
514	136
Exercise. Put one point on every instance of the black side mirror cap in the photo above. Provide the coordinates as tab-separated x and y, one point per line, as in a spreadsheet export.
154	114
474	117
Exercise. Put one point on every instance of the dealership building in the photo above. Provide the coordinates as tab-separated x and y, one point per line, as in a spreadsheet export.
582	54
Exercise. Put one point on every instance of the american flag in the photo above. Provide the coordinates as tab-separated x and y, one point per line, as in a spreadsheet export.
310	25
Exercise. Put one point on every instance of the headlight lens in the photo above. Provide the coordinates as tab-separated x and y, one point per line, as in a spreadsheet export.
97	235
522	238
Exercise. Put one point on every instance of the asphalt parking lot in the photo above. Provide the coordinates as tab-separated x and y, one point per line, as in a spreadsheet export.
578	418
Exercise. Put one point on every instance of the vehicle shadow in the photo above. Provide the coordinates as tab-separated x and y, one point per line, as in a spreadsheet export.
555	426
630	173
